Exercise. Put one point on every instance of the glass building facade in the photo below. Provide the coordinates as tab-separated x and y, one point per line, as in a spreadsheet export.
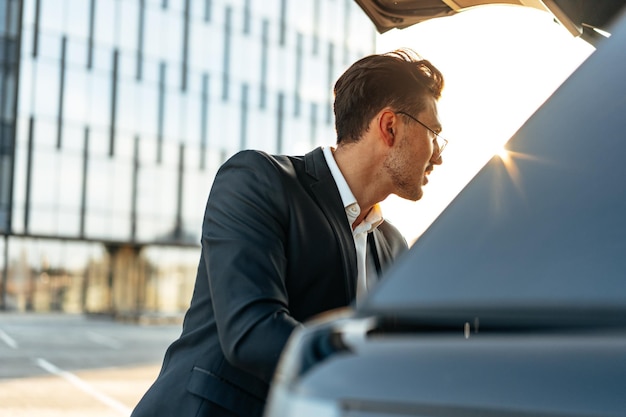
115	116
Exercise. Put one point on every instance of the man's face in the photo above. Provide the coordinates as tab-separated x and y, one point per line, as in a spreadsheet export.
415	153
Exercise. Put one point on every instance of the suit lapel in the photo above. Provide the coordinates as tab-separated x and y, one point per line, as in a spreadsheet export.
324	190
380	250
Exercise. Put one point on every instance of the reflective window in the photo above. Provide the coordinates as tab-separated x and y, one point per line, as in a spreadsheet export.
69	187
76	95
76	20
172	116
105	23
128	111
51	17
128	25
147	107
153	35
256	86
99	100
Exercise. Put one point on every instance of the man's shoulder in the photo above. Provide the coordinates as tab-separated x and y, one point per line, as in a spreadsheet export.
280	163
260	157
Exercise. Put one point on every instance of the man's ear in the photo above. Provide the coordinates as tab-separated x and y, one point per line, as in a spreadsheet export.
387	126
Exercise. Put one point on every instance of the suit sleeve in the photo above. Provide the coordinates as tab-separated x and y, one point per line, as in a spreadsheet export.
243	239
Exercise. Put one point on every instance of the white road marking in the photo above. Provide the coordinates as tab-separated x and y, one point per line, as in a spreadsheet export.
8	340
85	387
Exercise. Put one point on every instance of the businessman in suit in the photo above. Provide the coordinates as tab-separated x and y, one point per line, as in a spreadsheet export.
285	238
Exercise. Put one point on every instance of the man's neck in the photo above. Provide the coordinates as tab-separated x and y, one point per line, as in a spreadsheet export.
360	171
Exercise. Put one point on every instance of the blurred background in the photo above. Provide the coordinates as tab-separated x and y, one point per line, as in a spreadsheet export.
115	116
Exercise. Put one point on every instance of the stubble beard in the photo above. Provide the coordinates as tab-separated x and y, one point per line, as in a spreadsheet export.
405	186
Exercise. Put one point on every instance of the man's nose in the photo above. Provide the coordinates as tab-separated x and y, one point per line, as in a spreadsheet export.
436	159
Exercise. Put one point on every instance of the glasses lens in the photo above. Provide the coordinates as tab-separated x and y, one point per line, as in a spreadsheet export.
441	144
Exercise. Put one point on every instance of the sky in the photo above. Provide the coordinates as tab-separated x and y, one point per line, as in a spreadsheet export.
500	63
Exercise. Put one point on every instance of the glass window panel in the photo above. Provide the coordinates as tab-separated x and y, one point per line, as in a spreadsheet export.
46	89
76	52
100	100
49	46
194	81
98	144
193	120
73	139
170	156
313	80
194	200
28	14
77	18
69	196
265	124
17	225
96	224
102	59
129	25
120	227
5	165
147	151
166	199
183	101
68	222
125	148
26	87
151	72
173	41
100	189
197	10
146	230
104	22
42	221
44	134
122	179
198	46
127	109
127	65
148	110
44	178
153	33
20	161
76	98
10	28
8	92
176	6
51	16
27	40
146	191
172	113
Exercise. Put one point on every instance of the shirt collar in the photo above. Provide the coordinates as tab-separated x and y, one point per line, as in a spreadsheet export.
347	197
374	217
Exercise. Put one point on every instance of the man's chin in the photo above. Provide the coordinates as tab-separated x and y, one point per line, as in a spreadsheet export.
414	195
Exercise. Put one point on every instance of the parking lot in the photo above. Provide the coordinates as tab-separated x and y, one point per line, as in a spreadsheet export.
73	365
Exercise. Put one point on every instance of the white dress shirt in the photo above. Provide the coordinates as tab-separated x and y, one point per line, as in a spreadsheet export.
367	275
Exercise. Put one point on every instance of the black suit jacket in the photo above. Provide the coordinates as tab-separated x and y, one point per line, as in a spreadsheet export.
277	250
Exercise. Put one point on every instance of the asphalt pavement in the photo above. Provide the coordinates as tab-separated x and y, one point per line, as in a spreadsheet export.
73	365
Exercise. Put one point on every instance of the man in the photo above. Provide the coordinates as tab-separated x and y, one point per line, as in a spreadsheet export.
286	238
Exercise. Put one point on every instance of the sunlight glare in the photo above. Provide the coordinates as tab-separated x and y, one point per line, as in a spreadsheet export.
500	63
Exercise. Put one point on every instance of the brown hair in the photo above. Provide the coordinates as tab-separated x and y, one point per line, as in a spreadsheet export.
400	79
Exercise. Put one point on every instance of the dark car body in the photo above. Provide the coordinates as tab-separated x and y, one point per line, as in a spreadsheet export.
513	302
579	17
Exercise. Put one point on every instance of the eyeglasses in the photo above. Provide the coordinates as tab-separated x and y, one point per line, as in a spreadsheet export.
441	142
